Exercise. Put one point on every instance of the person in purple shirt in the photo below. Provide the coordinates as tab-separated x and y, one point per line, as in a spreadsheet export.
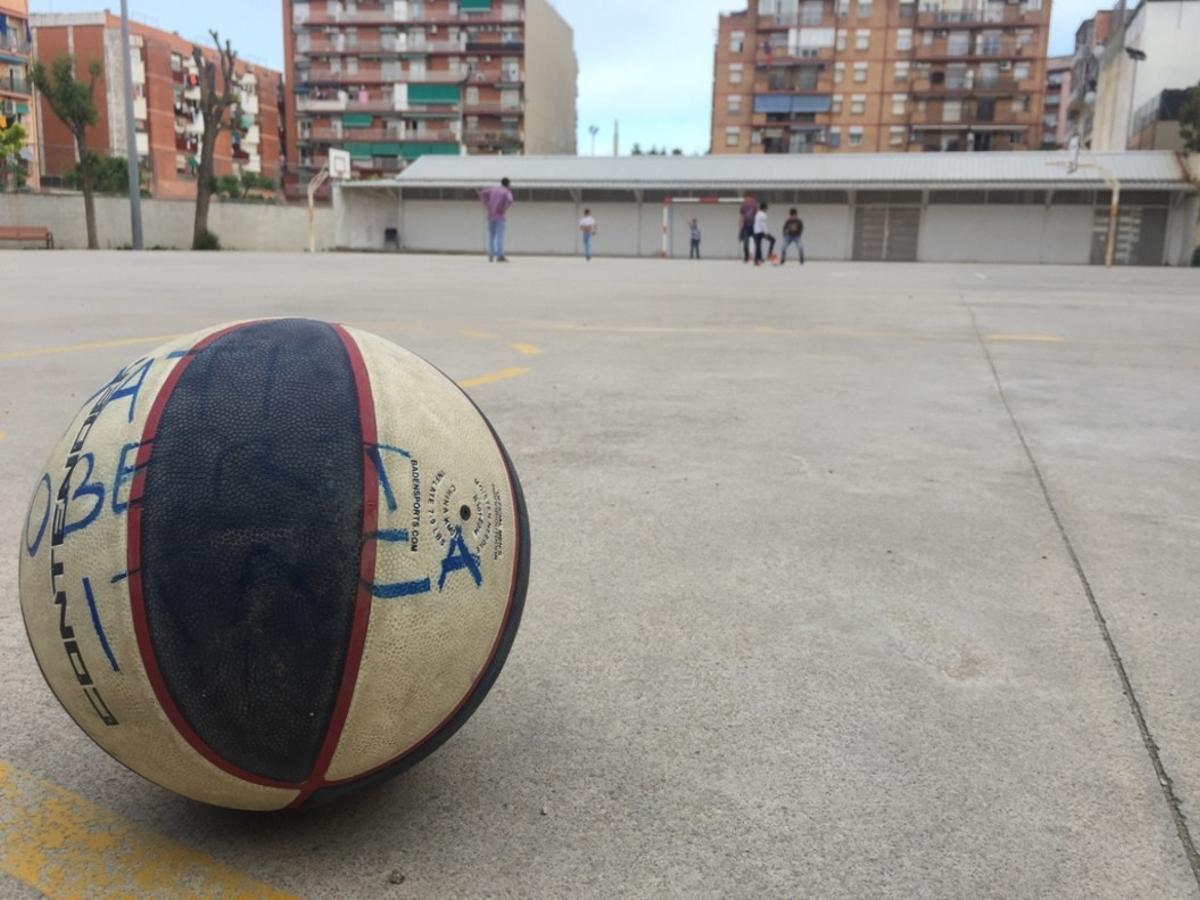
497	200
746	215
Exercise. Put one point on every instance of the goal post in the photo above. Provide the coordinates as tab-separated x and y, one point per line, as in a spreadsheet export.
670	202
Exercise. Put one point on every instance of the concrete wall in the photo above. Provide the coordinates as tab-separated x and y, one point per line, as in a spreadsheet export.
167	223
1006	234
551	81
995	233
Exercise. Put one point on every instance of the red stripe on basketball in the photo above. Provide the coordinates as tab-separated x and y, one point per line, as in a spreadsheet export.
366	569
512	593
141	625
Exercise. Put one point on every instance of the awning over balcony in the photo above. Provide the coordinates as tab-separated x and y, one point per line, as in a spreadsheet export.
433	93
475	5
775	104
357	120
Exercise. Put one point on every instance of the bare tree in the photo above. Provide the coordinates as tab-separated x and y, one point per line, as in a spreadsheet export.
218	96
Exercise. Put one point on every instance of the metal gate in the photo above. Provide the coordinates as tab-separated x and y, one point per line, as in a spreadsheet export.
1141	236
886	233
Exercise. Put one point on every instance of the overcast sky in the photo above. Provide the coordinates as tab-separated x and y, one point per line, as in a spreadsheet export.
648	64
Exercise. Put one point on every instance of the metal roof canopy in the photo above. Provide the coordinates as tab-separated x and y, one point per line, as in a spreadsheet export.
1027	170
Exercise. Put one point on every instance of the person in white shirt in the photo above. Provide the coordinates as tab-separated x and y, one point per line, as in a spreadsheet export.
587	228
761	234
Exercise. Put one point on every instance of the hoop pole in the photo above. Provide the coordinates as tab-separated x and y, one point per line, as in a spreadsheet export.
666	228
314	186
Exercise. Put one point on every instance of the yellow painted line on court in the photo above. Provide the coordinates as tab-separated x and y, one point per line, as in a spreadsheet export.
91	345
64	846
527	349
1027	338
478	335
502	375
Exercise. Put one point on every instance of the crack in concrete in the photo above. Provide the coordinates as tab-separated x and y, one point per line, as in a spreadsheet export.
1135	706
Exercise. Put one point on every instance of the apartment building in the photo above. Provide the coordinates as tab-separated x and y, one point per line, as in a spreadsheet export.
393	80
1152	48
166	86
802	76
1090	39
1058	97
16	94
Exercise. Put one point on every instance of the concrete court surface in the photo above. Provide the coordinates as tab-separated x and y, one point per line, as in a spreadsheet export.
821	559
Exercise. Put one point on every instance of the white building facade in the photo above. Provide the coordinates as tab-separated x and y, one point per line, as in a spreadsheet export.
1168	33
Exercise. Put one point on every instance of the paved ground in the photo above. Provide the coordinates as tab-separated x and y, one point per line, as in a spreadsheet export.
822	566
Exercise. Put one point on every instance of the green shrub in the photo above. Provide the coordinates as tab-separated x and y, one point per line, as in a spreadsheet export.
207	241
110	175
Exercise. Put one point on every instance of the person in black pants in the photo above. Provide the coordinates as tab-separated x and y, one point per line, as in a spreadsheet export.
694	227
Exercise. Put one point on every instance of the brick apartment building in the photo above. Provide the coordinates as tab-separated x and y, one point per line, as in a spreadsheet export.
392	80
16	94
1090	40
1055	124
888	76
166	105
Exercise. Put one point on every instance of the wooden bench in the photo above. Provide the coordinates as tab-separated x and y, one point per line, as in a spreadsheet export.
26	233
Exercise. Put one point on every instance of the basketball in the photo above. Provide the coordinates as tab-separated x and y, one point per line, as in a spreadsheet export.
274	562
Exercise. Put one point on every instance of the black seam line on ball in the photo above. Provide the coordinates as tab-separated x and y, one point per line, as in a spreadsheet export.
251	531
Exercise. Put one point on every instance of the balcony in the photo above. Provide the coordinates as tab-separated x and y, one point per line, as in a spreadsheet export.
333	135
18	86
13	44
378	76
386	15
498	47
493	109
785	57
815	16
941	50
502	139
922	87
988	17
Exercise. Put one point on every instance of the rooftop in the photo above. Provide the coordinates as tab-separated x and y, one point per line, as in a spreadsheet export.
1034	170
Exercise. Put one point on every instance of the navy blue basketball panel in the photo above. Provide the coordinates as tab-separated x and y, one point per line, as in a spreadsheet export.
250	541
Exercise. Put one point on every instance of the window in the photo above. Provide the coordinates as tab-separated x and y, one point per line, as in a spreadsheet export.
901	72
985	109
733	137
865	9
843	9
856	136
952	111
858	104
811	11
836	105
860	72
737	42
904	39
1033	5
835	136
959	43
897	136
841	39
735	73
907	10
899	104
862	39
1019	103
839	73
735	104
1021	71
1024	37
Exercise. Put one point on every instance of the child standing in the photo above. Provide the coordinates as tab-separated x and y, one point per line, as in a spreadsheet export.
694	227
587	228
760	235
793	233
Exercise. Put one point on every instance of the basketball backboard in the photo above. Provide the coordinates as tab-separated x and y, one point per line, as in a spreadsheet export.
339	164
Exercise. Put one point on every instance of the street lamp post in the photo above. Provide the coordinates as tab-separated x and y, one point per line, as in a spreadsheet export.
593	130
131	150
1137	56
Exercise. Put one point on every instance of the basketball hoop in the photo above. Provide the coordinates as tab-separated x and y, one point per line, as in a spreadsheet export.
336	168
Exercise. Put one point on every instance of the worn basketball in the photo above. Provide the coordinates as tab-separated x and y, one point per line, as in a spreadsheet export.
274	562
